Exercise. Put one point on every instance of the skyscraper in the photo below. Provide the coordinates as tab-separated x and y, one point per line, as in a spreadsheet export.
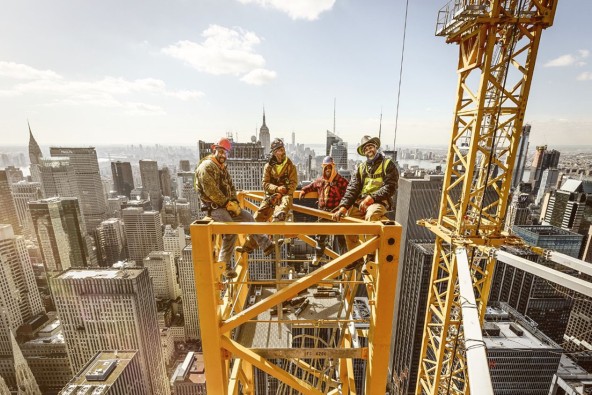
142	231
550	237
24	192
565	208
58	178
109	309
174	240
164	176
546	304
410	316
162	271
123	179
548	183
59	227
35	156
264	136
522	360
543	159
338	152
19	296
518	211
184	165
111	241
189	295
151	182
8	214
520	163
14	174
93	203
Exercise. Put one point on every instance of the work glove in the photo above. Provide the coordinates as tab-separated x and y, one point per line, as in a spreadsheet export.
301	195
233	208
342	212
283	190
368	200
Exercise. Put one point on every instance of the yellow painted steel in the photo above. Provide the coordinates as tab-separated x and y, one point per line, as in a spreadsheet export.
498	43
222	307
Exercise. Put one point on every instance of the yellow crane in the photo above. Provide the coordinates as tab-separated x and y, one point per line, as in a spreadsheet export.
498	44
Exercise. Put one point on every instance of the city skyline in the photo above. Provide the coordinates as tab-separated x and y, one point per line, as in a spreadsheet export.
130	74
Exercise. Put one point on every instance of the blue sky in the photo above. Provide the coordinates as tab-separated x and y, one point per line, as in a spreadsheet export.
120	72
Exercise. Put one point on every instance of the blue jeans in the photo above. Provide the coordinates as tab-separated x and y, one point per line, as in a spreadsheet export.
228	241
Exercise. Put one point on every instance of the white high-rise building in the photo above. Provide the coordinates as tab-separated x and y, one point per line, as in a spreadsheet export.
24	192
19	296
161	267
111	241
187	282
174	240
93	203
143	232
110	309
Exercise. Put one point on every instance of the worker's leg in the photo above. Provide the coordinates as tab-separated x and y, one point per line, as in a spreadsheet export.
225	254
282	209
264	212
252	240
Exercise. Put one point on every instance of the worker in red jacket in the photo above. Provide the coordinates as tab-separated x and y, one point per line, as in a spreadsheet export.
330	187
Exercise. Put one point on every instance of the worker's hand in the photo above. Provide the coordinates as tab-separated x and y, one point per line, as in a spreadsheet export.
301	195
342	212
233	208
283	190
368	200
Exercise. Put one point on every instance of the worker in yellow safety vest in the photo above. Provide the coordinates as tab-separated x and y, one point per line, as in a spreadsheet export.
369	194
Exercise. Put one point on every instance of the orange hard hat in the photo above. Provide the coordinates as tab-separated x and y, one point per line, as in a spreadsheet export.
222	143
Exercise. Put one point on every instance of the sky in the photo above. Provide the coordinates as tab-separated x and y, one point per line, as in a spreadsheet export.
177	71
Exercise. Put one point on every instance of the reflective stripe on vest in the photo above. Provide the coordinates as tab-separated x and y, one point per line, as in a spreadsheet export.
373	182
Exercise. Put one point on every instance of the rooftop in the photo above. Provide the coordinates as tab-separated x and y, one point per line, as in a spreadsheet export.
107	273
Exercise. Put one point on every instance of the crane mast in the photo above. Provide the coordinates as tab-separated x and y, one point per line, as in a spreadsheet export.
498	44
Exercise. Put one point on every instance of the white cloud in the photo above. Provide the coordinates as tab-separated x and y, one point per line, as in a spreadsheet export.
296	9
259	77
224	51
569	59
24	72
106	92
585	76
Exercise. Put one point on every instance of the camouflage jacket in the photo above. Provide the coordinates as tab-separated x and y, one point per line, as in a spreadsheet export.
273	180
213	183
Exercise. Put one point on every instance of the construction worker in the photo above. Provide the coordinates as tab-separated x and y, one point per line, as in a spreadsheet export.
370	191
330	187
218	197
280	179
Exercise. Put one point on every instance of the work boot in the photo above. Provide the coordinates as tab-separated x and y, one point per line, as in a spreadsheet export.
244	249
279	217
248	246
271	247
229	272
354	265
316	261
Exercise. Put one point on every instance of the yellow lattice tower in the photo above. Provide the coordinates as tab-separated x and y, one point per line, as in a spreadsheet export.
498	43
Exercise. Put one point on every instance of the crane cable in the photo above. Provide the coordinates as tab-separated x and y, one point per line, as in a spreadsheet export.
400	78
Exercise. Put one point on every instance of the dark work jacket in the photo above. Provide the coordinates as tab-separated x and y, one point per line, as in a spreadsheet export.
384	195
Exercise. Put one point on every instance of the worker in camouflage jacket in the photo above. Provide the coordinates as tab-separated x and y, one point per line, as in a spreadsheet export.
369	194
280	179
218	198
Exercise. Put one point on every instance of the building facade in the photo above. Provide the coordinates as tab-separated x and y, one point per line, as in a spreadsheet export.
123	178
142	231
8	212
110	309
189	295
111	241
93	203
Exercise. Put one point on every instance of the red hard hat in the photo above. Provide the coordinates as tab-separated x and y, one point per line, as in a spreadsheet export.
223	143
